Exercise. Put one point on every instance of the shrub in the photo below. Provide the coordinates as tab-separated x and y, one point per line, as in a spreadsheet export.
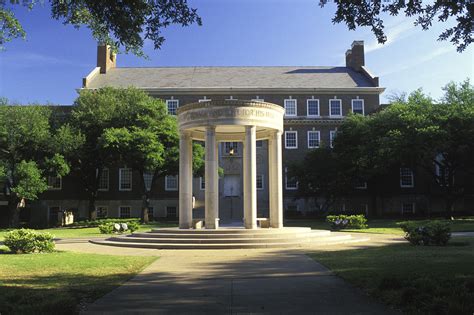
119	227
96	223
28	241
426	232
343	221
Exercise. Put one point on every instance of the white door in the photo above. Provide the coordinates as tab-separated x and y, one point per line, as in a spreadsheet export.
231	185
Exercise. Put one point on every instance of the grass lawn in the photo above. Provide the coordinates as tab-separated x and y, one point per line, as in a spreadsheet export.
88	232
380	226
415	279
59	282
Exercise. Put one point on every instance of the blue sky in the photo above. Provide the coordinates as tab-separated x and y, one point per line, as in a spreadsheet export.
49	66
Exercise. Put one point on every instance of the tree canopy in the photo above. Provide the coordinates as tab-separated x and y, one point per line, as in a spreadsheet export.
31	150
371	14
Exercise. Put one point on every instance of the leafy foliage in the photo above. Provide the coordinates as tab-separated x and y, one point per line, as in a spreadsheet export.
427	232
347	221
24	241
119	227
126	25
369	14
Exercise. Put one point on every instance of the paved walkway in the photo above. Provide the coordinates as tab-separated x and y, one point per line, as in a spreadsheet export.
232	282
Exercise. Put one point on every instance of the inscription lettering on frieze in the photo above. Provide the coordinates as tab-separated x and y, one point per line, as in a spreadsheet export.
226	113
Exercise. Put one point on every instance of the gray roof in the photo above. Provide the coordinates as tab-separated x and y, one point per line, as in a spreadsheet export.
232	77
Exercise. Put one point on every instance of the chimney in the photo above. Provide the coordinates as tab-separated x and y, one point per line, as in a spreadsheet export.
106	59
355	58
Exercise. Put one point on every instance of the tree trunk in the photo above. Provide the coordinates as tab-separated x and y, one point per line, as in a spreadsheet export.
14	212
145	206
92	209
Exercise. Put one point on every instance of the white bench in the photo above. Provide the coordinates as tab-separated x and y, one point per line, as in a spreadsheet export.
264	223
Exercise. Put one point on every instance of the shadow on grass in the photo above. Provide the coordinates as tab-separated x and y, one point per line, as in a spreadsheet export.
415	279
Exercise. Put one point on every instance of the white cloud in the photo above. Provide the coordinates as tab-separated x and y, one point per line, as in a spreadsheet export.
394	31
422	59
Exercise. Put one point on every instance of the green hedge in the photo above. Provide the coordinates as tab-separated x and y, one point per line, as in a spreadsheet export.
119	227
343	221
426	232
96	223
25	241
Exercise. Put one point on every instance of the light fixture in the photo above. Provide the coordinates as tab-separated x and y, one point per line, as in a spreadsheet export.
231	151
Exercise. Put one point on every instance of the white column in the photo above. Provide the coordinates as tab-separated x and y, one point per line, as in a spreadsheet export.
250	178
212	180
275	180
185	181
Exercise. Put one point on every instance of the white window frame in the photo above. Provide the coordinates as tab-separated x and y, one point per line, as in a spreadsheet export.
412	175
286	181
202	180
296	107
120	179
168	108
319	139
100	178
50	178
120	211
363	106
332	136
202	100
307	107
106	211
296	139
167	188
340	107
409	203
262	181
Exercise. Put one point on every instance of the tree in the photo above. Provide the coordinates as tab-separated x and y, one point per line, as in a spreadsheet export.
419	133
126	24
320	178
369	13
31	150
149	143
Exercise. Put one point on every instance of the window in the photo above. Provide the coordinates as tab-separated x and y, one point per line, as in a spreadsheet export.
172	106
124	211
171	212
204	100
291	140
171	182
125	179
406	177
358	106
55	182
148	180
408	208
312	107
53	215
102	212
313	139
290	107
231	148
104	179
151	213
259	144
202	183
259	181
231	98
441	171
290	183
360	184
332	136
335	108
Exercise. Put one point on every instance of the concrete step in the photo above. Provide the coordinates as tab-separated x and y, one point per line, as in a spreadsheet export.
276	234
231	231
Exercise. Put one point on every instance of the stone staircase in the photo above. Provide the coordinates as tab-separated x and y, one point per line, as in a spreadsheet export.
228	238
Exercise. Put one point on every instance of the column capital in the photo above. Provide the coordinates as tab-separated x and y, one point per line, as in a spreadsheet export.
184	134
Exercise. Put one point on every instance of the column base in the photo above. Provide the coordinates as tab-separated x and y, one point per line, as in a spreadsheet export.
212	224
185	225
